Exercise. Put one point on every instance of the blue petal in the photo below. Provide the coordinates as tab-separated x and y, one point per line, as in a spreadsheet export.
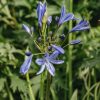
68	17
58	48
54	55
75	42
39	12
56	61
41	9
49	20
46	55
83	22
26	28
26	65
41	70
82	25
39	61
65	17
50	68
63	12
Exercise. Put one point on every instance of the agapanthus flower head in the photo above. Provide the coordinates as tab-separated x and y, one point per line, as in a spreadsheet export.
49	20
65	17
41	9
47	63
75	42
82	25
26	64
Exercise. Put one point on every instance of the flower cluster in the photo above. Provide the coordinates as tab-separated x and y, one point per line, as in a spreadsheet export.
46	41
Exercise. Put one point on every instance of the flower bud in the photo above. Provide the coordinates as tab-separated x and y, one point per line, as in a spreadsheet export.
39	39
73	42
62	37
28	53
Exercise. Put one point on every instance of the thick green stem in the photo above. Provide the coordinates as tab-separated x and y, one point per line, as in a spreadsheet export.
42	87
30	88
70	53
48	86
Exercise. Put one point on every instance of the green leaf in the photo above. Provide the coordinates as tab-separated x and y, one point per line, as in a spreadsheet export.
74	96
36	83
18	84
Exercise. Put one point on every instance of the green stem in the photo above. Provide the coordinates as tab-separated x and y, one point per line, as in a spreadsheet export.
30	88
89	85
70	53
42	87
54	96
9	92
94	75
96	92
48	87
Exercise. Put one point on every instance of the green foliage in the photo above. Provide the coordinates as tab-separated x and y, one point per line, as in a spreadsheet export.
2	81
18	84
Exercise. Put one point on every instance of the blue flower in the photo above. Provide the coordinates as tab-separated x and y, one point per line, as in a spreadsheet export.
47	63
49	20
26	65
75	42
41	9
82	25
65	17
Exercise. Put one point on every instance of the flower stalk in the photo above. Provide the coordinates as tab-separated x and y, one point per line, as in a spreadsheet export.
42	87
48	86
69	67
30	88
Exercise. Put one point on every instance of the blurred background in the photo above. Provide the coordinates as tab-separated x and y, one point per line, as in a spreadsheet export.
14	41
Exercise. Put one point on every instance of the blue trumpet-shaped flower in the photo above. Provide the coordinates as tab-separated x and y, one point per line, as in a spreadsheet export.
26	65
82	25
41	9
65	17
47	63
